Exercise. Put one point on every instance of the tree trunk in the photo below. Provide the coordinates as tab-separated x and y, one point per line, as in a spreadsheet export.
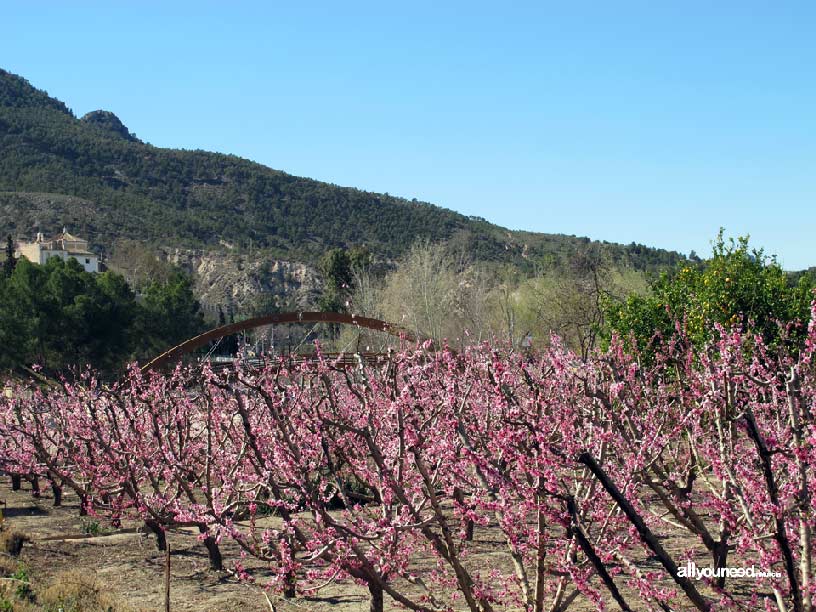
578	532
35	486
16	482
57	490
780	533
376	602
721	557
216	562
289	591
161	536
646	535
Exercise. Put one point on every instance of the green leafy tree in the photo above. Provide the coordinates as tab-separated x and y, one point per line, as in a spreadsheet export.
738	286
25	315
119	315
336	268
12	329
360	258
170	315
59	316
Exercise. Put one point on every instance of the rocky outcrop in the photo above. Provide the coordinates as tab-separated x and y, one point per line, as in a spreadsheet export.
107	121
245	283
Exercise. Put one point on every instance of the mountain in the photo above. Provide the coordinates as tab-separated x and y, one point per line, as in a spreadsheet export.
96	177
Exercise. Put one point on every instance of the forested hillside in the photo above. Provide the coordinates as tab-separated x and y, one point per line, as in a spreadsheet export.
95	176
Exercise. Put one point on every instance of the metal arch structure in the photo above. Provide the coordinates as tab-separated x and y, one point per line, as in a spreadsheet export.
279	318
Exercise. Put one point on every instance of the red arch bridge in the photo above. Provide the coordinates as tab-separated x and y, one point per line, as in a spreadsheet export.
217	333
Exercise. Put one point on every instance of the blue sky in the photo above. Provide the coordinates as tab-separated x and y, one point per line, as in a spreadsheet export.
653	122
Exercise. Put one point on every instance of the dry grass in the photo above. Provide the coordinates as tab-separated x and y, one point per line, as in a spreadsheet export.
76	591
71	591
7	566
68	591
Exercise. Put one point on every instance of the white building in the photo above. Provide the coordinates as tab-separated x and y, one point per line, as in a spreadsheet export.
64	246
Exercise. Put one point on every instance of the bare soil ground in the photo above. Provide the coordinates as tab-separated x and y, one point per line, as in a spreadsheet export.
127	562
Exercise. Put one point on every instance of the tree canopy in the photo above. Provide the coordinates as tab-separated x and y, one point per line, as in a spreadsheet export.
58	316
737	287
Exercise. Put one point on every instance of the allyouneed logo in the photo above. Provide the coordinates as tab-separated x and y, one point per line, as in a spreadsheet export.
690	570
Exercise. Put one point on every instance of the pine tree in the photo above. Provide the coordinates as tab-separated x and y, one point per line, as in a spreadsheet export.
11	261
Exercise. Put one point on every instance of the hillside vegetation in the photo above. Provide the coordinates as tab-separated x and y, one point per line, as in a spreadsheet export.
94	175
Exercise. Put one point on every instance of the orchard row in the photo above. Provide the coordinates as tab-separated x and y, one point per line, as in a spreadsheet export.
391	476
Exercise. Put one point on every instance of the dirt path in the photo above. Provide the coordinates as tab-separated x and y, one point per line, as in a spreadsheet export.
131	567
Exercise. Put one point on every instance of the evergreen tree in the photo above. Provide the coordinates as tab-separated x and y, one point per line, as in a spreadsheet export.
337	280
59	316
11	261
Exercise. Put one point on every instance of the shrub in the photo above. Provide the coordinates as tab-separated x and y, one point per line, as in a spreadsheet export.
23	583
12	541
738	287
90	527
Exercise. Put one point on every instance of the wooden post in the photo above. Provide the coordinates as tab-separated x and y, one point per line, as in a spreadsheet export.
167	578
